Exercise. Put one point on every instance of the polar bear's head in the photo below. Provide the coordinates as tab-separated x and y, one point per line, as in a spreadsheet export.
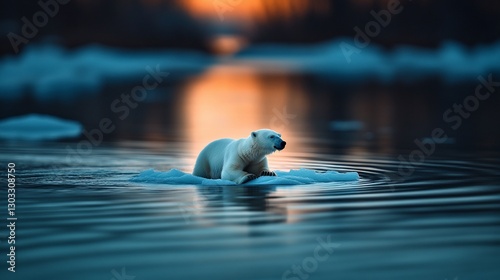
267	140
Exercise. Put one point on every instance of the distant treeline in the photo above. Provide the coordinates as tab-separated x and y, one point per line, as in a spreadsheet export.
162	23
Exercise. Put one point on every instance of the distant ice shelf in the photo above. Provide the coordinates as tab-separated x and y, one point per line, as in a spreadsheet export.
50	72
292	177
452	61
36	127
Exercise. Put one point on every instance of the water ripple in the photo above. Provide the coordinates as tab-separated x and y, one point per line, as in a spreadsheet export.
91	218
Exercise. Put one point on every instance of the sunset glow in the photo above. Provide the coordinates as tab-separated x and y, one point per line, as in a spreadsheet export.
225	44
230	103
253	11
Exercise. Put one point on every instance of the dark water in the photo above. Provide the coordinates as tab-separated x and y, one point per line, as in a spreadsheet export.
80	216
90	222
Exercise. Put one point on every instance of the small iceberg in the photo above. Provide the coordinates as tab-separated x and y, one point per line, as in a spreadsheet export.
292	177
36	127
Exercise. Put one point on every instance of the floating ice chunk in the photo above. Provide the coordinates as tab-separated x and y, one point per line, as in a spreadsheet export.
36	127
293	177
173	176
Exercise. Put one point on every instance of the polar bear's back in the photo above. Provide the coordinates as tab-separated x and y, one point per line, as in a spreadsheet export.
211	159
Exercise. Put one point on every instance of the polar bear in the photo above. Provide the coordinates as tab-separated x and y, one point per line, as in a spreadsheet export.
239	160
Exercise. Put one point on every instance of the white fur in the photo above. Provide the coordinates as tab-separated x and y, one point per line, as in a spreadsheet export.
239	160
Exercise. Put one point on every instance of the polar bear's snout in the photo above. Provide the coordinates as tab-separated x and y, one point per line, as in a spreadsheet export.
280	146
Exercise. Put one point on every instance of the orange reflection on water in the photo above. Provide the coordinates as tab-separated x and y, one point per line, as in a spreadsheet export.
226	45
229	102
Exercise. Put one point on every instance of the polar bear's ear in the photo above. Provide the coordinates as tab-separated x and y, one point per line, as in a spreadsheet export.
254	134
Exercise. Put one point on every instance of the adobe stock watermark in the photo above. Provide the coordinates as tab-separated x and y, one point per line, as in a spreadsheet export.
280	119
454	117
30	28
121	276
372	29
121	107
310	264
224	6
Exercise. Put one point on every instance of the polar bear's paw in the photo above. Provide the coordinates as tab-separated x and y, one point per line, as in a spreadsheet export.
267	173
247	178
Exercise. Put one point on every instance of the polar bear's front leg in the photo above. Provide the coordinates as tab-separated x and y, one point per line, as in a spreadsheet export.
268	173
237	176
234	172
247	178
261	168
